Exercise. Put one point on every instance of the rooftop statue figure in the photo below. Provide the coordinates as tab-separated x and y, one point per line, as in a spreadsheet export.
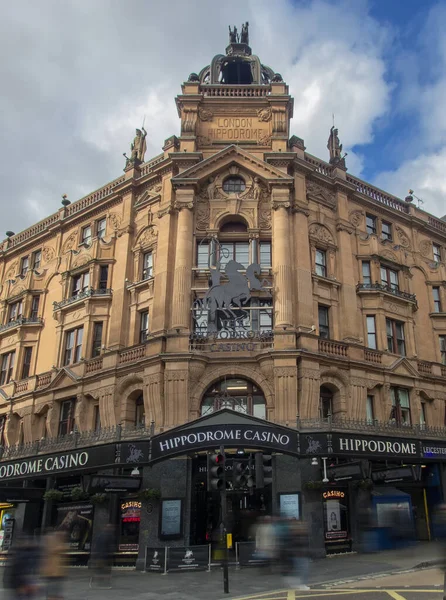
233	35
138	146
244	36
334	146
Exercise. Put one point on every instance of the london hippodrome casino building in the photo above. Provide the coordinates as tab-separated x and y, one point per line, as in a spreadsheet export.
237	293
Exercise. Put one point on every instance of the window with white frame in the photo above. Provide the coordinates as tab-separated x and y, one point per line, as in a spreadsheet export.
24	266
371	331
321	263
437	299
15	311
395	337
400	406
36	259
147	265
389	278
144	326
7	367
80	283
265	258
366	273
436	249
73	346
86	235
100	228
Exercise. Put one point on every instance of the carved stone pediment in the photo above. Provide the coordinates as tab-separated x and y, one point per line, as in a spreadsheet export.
319	193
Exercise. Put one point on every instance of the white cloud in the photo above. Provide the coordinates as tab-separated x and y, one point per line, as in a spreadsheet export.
82	75
424	175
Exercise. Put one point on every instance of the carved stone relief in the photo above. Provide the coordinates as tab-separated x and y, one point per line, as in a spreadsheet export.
70	243
115	221
148	237
205	114
12	271
264	114
426	248
320	194
389	255
356	217
320	233
402	237
82	260
48	253
392	307
203	214
264	212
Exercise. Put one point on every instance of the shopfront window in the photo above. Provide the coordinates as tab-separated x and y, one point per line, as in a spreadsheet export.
130	522
236	394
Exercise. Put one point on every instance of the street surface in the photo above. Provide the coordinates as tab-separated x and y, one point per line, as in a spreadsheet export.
379	576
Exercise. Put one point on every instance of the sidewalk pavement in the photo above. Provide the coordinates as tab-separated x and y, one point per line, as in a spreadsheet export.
247	581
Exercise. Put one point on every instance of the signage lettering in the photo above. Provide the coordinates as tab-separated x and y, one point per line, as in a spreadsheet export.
370	446
235	129
333	494
223	435
39	465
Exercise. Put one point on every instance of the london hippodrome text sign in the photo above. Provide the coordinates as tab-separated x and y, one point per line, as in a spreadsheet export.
212	436
236	128
51	464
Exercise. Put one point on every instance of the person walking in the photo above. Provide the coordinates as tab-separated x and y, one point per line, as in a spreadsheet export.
21	574
53	568
103	558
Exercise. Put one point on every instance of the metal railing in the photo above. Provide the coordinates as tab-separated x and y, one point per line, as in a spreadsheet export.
371	426
21	321
361	287
81	296
77	439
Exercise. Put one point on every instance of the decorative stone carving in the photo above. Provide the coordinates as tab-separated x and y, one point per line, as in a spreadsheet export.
82	260
264	212
402	236
320	233
70	243
256	190
358	381
426	248
319	193
355	217
309	374
178	206
205	114
389	255
148	236
189	120
12	271
115	221
392	307
264	139
264	114
285	371
47	254
202	214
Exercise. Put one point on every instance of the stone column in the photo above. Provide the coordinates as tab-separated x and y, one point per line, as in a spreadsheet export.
283	280
176	393
182	282
154	398
357	398
285	378
107	406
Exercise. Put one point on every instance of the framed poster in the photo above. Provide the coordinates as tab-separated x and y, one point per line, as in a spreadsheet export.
171	519
289	505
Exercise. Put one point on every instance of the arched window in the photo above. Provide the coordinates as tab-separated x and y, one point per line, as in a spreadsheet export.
140	417
236	394
233	185
326	403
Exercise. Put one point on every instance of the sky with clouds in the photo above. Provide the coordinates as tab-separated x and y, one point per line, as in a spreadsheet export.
79	76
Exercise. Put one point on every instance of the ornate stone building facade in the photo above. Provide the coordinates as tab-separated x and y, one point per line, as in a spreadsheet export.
114	313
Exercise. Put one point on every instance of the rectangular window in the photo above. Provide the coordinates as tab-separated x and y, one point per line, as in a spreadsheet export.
100	228
97	338
370	409
35	308
436	249
265	315
147	265
389	278
442	339
7	367
400	406
437	301
370	224
80	283
371	331
15	311
238	251
366	273
103	277
96	418
265	254
321	263
324	326
73	346
395	337
386	231
36	260
86	235
423	415
144	326
140	417
24	266
203	255
26	367
66	420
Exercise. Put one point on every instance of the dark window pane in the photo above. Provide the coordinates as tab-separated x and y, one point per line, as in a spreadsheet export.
234	185
97	338
103	277
27	354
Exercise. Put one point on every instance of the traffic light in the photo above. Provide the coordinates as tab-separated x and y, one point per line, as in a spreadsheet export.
264	469
216	471
241	474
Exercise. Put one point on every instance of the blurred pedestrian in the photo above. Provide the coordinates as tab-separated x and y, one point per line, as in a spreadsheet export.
297	549
103	558
21	573
265	540
53	568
